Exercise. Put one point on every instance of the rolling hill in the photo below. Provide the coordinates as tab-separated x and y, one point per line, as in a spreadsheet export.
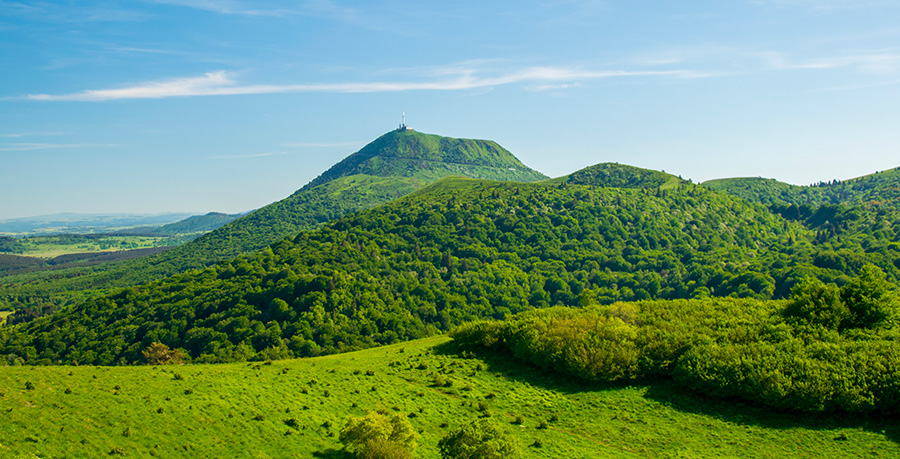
879	189
458	250
390	167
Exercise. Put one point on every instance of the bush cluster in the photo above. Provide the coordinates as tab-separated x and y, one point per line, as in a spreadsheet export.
825	349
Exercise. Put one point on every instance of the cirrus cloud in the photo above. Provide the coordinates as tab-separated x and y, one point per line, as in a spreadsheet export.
221	83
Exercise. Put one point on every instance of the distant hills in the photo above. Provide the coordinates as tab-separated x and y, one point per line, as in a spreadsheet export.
85	223
194	224
881	188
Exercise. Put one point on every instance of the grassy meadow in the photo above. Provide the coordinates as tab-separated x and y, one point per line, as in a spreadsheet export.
296	408
54	246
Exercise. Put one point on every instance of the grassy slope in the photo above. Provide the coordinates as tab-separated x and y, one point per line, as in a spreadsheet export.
50	246
428	157
238	410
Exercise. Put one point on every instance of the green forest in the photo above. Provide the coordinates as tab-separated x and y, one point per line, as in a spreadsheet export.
456	251
824	349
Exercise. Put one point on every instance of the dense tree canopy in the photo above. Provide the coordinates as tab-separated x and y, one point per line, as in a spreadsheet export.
748	348
456	251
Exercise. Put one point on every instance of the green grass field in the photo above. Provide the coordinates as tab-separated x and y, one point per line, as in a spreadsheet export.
50	246
243	411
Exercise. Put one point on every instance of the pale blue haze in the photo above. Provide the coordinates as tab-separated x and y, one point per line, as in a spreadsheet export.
197	106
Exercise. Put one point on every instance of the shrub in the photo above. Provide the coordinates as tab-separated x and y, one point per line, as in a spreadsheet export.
384	450
292	423
816	303
478	440
870	298
160	354
377	435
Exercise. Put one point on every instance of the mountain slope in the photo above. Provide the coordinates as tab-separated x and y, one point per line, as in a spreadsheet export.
861	212
427	157
457	250
391	166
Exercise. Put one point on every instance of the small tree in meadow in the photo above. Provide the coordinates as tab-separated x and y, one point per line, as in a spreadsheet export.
378	436
160	354
479	440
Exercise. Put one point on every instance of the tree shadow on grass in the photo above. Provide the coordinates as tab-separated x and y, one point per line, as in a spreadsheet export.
739	411
332	453
669	393
502	362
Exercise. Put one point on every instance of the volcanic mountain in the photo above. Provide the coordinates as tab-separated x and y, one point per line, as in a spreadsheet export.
391	166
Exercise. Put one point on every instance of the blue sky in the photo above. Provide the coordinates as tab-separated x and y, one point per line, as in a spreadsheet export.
202	105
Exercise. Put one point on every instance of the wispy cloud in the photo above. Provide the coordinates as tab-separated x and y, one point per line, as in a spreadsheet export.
315	8
857	87
220	83
17	135
879	61
731	60
70	13
324	144
822	5
250	155
49	146
229	7
293	145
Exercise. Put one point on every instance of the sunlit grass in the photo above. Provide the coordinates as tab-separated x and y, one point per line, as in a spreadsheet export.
242	410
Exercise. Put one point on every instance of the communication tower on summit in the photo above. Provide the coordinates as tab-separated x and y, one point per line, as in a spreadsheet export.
403	126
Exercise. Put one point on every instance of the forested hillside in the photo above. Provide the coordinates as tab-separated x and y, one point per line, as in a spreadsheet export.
391	166
881	188
458	250
849	218
826	349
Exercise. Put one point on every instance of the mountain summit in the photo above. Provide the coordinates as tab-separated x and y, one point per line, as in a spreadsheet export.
391	166
427	158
